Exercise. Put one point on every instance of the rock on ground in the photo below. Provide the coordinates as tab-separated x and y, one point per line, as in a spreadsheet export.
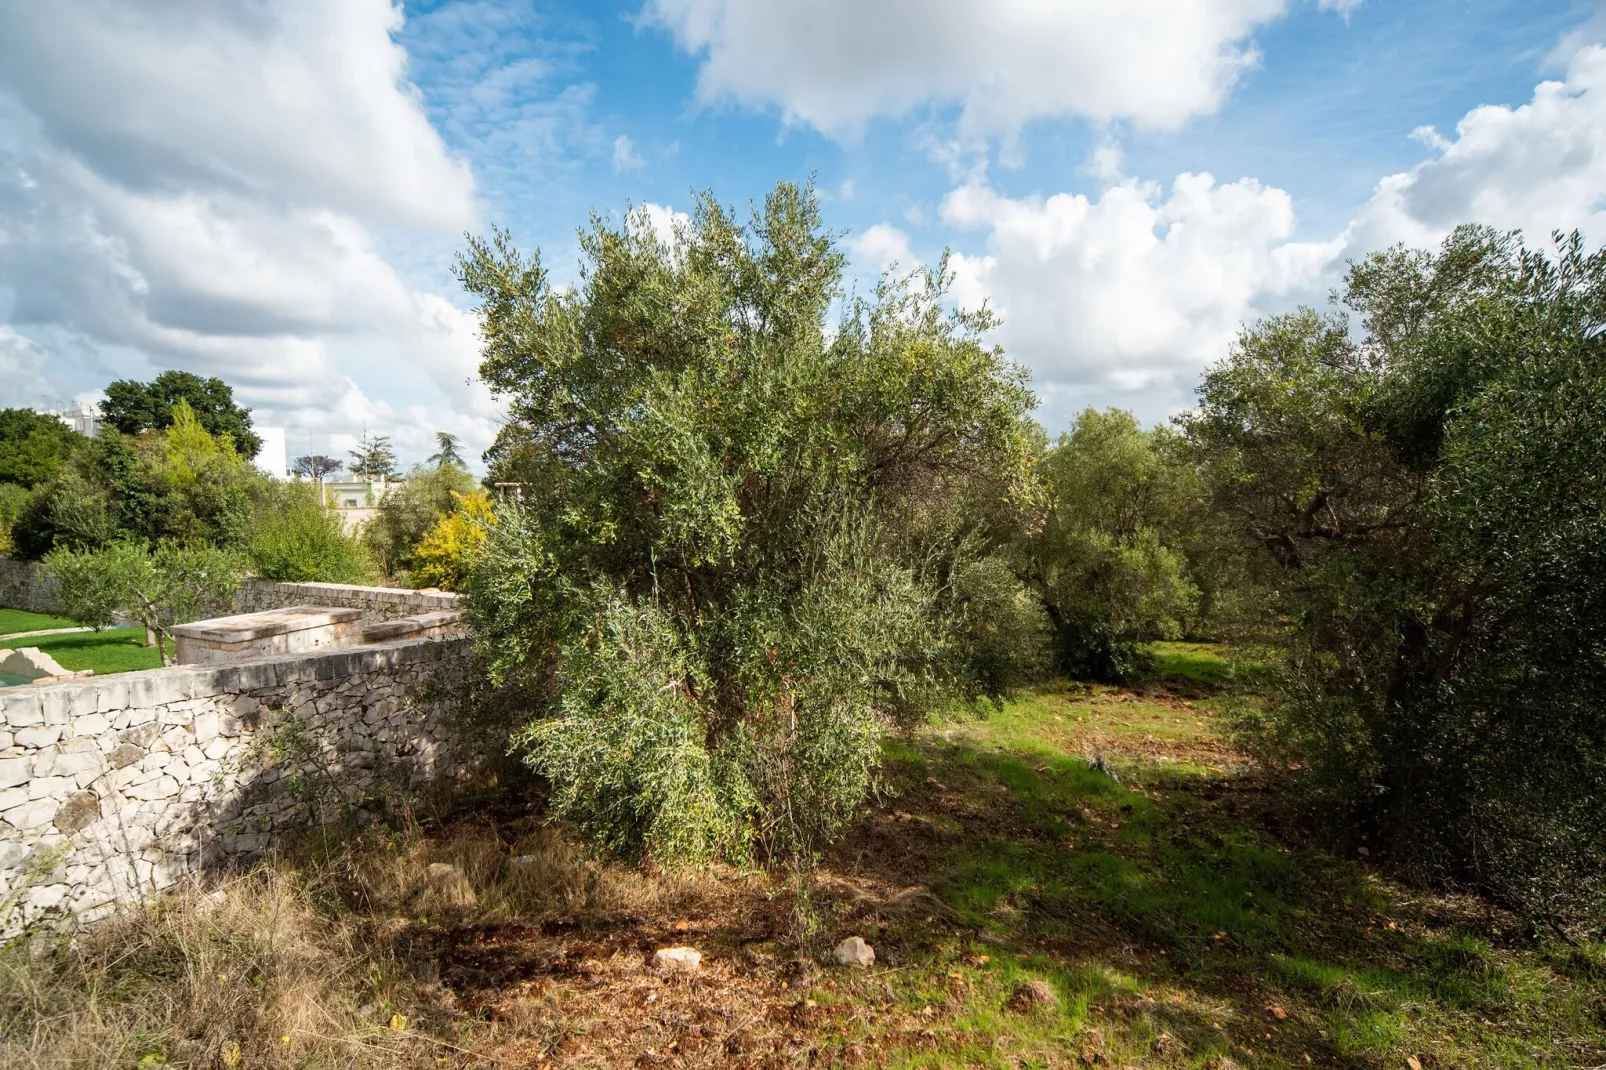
677	958
855	952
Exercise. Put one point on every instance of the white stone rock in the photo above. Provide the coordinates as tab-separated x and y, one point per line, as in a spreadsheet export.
216	749
14	771
42	735
77	756
163	787
33	815
22	710
207	726
49	787
47	896
10	797
686	959
855	952
92	724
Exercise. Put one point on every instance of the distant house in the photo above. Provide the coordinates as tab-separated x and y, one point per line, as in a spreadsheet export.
85	419
356	500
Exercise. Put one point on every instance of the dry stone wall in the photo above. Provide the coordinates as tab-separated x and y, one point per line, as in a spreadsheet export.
377	603
115	787
26	585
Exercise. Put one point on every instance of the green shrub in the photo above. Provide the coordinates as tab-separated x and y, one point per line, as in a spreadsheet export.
409	511
295	539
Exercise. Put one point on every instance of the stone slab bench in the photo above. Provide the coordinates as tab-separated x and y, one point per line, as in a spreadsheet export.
295	630
417	626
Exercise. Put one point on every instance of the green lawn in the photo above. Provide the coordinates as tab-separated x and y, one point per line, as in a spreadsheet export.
113	650
21	620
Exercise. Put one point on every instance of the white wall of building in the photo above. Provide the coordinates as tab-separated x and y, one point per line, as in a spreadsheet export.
270	458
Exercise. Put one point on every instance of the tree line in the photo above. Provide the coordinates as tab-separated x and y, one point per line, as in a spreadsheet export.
765	521
756	521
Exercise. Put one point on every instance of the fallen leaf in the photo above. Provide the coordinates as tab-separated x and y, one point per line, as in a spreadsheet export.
398	1023
1279	1014
1413	1062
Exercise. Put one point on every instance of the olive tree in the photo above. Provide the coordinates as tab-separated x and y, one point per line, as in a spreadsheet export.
172	584
718	589
1427	497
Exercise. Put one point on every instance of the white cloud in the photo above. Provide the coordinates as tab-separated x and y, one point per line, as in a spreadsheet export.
22	371
212	188
882	246
1138	289
664	221
833	64
624	155
1537	167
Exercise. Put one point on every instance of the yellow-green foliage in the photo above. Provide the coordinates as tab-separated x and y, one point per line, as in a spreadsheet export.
447	552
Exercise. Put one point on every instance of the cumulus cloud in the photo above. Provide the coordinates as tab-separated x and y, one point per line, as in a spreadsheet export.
880	247
212	188
1136	290
1537	167
833	64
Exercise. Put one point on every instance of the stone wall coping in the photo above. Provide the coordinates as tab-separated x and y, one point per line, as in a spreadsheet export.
244	627
418	622
383	594
56	703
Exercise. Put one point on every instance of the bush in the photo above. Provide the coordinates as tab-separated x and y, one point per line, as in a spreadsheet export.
294	539
1431	500
182	485
446	554
408	512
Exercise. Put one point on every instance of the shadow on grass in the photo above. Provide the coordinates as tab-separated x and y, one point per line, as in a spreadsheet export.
1165	906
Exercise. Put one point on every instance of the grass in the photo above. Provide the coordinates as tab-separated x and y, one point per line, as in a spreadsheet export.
1178	923
111	651
22	620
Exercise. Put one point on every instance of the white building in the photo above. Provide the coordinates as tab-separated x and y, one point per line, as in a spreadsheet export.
270	458
85	419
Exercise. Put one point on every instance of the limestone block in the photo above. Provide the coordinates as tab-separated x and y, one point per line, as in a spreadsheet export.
217	748
21	707
90	724
162	787
125	754
49	787
140	716
207	725
31	816
15	771
111	698
56	703
46	897
78	756
79	811
41	735
10	797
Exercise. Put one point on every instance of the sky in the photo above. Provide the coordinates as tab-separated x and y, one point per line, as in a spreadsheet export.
273	191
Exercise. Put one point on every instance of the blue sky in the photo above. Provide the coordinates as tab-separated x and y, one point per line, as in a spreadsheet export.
273	192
